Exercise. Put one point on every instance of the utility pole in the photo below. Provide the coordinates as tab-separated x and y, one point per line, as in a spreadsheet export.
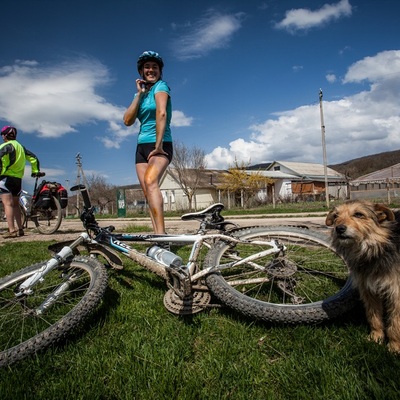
324	149
80	174
66	208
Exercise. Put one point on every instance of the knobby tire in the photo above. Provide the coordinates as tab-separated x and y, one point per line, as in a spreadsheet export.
23	331
309	283
47	221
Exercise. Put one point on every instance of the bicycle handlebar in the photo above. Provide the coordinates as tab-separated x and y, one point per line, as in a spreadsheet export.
85	194
38	174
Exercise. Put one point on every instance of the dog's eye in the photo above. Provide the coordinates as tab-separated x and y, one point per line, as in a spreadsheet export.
359	215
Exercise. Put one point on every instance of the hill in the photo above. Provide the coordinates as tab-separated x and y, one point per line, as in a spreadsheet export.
365	165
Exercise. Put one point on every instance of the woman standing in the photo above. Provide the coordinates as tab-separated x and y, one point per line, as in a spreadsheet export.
13	157
152	107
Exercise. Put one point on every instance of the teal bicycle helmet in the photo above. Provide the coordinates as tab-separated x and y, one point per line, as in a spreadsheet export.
149	56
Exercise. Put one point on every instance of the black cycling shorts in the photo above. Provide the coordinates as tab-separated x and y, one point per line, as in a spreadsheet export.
10	184
143	150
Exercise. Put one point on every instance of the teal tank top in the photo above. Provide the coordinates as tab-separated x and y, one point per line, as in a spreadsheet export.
147	114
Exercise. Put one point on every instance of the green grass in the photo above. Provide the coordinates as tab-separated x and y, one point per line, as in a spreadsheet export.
133	348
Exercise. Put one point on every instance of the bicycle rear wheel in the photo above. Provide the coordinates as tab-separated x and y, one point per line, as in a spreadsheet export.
56	305
308	282
48	220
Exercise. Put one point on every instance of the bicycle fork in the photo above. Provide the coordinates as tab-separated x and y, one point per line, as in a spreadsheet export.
26	287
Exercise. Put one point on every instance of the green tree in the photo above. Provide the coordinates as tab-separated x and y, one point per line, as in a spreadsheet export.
243	183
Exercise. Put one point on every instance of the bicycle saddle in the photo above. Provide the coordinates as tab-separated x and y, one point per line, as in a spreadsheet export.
210	213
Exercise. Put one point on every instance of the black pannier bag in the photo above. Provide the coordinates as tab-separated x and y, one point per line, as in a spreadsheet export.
59	191
43	196
62	195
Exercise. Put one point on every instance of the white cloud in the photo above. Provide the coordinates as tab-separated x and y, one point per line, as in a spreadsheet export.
53	101
296	68
179	119
383	66
331	78
365	123
303	18
214	31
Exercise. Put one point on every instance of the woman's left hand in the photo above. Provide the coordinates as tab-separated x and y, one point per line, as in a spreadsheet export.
157	151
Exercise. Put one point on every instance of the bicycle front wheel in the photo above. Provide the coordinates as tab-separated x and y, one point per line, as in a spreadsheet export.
308	282
48	220
56	305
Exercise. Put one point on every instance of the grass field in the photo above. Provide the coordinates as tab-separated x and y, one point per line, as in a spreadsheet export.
133	348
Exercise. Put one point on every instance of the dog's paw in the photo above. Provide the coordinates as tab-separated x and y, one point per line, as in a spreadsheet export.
394	347
377	337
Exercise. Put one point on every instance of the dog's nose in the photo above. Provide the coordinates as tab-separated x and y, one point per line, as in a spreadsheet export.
340	229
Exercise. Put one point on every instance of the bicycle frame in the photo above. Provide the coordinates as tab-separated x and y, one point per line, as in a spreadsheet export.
180	279
118	242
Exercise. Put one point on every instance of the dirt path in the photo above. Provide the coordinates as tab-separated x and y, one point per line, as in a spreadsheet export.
70	228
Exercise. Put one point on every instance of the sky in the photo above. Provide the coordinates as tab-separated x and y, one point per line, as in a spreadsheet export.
245	79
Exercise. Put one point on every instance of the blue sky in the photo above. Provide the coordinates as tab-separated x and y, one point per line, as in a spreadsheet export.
244	76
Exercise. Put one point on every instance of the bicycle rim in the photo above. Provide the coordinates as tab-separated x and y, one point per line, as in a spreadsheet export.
32	322
308	282
47	221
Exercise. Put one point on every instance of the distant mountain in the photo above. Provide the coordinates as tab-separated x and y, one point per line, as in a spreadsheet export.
365	165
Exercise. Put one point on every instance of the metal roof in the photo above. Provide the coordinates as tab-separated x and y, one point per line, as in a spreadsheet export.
306	169
273	174
391	174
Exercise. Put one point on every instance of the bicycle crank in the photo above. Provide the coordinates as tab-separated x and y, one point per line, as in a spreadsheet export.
190	304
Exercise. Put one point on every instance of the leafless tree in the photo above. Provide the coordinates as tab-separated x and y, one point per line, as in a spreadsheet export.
101	193
187	168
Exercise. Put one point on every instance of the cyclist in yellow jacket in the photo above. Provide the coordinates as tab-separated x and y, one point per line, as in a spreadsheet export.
13	157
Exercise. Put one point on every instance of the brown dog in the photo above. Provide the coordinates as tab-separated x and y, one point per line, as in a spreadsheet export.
367	235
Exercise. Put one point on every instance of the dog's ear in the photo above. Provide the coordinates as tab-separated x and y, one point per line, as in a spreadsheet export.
383	213
330	218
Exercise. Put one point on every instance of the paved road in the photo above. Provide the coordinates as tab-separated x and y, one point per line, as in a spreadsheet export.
70	227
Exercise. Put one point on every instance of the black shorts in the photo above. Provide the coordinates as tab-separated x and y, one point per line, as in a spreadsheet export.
143	150
10	184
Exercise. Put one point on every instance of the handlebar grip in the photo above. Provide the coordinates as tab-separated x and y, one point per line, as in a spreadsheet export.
85	194
38	174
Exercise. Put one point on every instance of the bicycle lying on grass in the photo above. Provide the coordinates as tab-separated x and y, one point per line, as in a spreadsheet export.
47	217
280	274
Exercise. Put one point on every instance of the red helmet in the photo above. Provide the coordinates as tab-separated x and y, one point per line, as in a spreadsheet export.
9	132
